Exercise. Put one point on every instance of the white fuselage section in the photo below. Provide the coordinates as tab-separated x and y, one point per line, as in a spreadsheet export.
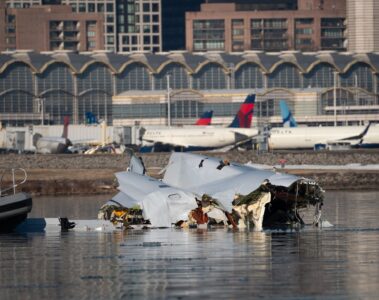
51	145
308	137
205	137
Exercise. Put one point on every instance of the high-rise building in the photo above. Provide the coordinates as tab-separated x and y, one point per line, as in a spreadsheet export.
139	25
314	25
49	28
363	25
129	25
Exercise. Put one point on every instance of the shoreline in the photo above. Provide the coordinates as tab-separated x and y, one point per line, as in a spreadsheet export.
94	174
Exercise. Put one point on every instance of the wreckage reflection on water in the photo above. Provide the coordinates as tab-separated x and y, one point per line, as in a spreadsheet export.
341	262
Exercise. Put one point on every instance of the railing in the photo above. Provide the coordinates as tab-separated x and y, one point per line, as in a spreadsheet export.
14	183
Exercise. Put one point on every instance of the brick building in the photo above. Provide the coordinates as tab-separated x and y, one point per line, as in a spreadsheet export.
311	25
49	28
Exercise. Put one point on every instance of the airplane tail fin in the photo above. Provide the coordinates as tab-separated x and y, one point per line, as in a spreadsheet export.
288	119
136	164
205	118
245	113
66	121
36	137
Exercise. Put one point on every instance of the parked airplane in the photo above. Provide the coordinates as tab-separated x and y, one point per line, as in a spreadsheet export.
288	119
203	137
53	144
324	137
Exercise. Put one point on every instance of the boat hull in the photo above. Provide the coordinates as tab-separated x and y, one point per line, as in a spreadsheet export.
14	210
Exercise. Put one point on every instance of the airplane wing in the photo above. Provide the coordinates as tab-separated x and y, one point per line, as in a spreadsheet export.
351	141
359	136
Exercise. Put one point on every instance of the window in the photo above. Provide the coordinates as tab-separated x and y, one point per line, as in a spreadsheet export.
110	29
109	7
307	21
146	28
100	7
91	7
155	18
155	7
146	18
82	7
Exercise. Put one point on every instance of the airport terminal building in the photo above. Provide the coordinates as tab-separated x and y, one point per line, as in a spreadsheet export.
136	88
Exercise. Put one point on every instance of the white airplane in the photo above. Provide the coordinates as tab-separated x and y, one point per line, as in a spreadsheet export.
52	144
204	137
200	190
290	136
324	137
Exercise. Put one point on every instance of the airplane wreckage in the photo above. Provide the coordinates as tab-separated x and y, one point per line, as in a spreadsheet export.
200	191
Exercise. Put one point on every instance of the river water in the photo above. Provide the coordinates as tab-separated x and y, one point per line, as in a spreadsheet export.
341	262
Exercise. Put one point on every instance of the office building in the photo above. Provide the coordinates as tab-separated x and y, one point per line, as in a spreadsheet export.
49	28
129	25
232	27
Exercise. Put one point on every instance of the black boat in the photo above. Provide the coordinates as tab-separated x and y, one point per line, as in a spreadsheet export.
14	206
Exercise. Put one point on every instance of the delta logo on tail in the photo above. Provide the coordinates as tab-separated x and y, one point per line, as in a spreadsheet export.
205	118
245	114
288	119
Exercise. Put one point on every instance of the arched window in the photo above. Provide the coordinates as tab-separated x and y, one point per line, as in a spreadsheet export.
134	77
285	76
210	77
179	78
17	76
96	77
321	76
57	75
249	76
16	102
359	75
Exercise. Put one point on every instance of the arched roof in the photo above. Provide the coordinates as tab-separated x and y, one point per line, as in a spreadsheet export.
305	62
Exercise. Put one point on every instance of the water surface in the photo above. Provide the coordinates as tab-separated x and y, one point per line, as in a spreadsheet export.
331	263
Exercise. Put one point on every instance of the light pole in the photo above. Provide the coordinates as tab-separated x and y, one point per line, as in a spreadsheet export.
41	106
335	97
168	101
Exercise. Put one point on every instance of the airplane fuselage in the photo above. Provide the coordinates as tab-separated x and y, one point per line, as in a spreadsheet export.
308	137
51	145
201	137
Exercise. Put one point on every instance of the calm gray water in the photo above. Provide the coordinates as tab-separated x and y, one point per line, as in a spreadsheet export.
335	263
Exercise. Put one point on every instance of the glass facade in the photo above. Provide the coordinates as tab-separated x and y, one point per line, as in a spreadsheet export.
74	89
269	34
208	35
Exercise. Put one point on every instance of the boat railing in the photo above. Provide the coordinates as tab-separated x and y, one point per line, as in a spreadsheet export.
15	184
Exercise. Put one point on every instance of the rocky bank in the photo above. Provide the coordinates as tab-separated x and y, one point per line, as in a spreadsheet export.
93	174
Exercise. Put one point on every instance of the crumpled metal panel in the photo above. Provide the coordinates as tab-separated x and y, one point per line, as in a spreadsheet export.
161	204
199	174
